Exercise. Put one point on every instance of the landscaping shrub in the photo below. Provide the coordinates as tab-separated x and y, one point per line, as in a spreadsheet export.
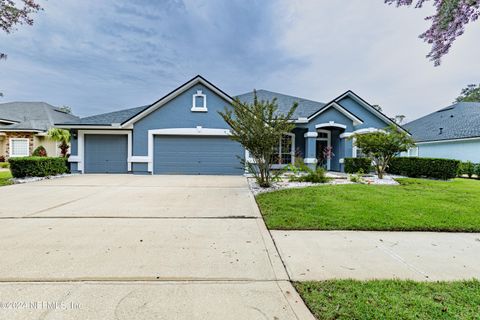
354	165
2	159
424	167
37	166
39	152
4	165
313	176
477	170
467	168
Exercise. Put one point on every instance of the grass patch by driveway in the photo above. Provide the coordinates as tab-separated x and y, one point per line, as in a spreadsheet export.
391	299
415	205
5	178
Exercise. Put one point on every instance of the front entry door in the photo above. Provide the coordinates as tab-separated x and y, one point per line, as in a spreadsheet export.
321	146
323	142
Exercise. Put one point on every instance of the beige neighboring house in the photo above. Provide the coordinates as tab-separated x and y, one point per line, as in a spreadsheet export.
24	126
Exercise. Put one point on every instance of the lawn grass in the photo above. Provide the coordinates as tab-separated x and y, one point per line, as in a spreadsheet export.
5	178
391	299
415	205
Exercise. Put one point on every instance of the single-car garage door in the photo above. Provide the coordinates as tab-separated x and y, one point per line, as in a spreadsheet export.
196	155
106	153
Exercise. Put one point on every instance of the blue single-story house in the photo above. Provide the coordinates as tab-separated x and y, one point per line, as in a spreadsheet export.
182	133
452	132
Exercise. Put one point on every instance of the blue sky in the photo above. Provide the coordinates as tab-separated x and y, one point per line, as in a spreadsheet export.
99	56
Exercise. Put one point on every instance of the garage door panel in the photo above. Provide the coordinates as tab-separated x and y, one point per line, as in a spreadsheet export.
196	155
106	153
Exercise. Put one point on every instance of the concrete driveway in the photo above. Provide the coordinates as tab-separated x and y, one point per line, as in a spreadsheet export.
139	247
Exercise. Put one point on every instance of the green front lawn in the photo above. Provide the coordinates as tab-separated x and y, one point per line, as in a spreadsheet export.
5	178
417	204
391	299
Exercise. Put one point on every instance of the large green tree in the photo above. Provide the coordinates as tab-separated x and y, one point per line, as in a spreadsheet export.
382	146
469	94
258	126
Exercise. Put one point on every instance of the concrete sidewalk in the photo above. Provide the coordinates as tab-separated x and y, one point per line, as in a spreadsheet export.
140	247
363	255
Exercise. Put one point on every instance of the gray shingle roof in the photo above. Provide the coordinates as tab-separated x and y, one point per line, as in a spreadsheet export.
108	118
285	102
305	107
460	120
35	116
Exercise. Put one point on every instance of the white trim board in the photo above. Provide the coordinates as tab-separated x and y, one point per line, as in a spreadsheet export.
448	140
79	158
87	127
330	124
359	131
356	121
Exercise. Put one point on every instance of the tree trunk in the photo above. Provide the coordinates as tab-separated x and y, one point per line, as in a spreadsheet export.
380	174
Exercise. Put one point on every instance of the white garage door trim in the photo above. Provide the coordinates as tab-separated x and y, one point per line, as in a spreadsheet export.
198	131
80	157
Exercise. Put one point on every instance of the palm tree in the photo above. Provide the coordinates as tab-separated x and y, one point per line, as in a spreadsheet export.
62	136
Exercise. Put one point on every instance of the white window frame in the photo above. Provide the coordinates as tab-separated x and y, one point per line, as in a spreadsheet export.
249	159
355	148
11	155
292	152
194	102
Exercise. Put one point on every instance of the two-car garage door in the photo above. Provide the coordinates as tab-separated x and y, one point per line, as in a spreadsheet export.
171	154
196	155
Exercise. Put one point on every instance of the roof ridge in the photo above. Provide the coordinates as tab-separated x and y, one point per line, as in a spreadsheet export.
279	93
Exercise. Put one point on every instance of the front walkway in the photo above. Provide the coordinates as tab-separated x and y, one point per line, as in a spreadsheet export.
139	247
364	255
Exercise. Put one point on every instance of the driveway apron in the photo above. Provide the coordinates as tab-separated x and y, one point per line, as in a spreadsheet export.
139	247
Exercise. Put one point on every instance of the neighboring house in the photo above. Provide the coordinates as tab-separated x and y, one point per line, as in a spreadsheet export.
182	133
24	126
452	132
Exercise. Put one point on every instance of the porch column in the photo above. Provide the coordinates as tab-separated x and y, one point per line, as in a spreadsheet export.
311	149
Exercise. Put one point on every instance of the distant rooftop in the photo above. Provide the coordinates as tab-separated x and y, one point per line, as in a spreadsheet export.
460	120
36	116
108	118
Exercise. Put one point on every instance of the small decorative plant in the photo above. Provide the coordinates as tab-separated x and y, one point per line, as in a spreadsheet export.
328	154
357	177
39	152
314	176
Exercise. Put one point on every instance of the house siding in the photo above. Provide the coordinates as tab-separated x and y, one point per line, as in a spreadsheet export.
369	119
468	150
177	114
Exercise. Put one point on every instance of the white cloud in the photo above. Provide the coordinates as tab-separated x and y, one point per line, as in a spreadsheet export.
373	49
98	56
